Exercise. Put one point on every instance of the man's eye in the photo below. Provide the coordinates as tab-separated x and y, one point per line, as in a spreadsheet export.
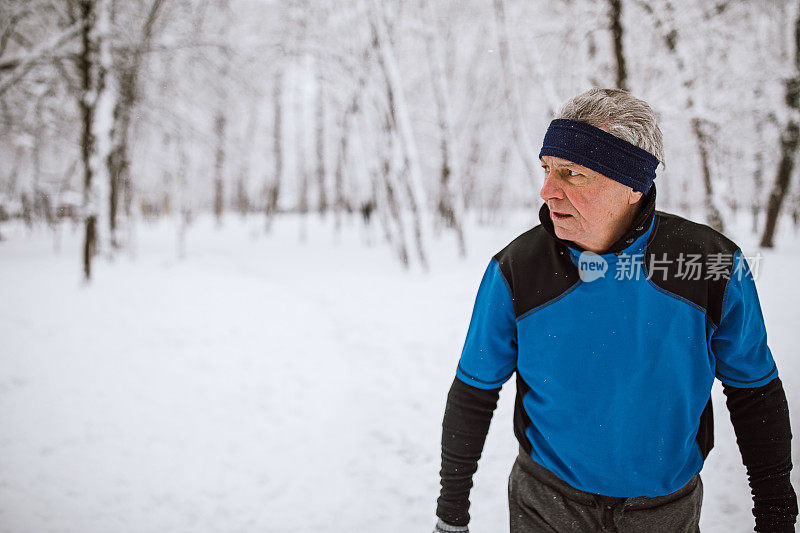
546	168
573	173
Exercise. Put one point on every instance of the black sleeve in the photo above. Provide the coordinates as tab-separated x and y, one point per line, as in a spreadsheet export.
760	418
467	416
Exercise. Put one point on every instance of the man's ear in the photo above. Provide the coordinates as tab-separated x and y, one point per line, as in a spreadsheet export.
634	196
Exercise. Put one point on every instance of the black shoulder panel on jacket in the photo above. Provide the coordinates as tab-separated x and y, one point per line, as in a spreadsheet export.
537	268
674	243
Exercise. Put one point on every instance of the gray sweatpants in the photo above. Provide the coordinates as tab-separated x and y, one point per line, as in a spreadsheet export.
540	501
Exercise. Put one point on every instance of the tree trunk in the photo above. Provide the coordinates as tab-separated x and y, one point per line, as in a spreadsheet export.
712	213
789	145
242	198
790	139
401	122
273	185
451	203
118	160
36	155
183	198
615	12
513	99
758	181
338	178
669	34
219	164
470	175
302	167
390	185
322	200
94	61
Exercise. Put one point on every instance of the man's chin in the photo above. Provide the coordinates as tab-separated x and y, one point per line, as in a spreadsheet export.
561	233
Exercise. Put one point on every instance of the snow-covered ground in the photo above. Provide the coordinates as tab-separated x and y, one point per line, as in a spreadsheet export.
269	383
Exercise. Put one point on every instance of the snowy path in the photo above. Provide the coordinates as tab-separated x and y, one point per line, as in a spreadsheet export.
267	384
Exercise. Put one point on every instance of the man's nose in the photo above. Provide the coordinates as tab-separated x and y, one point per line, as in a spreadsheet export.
551	187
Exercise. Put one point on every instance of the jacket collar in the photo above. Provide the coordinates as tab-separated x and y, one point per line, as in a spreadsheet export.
640	225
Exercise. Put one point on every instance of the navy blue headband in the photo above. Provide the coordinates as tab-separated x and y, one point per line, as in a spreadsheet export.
601	151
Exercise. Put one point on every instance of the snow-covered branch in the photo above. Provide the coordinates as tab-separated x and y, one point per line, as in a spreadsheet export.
21	64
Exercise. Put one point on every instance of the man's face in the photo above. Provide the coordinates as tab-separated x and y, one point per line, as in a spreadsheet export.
586	207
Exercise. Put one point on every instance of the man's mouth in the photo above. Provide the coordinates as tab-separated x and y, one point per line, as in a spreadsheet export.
560	216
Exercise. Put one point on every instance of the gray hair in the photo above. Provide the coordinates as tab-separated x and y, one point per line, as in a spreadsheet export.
619	113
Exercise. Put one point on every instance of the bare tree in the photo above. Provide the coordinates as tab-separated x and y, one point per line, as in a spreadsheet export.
242	200
451	201
615	13
339	197
700	126
789	141
128	66
219	166
94	63
16	66
355	123
401	122
273	184
389	197
322	199
512	97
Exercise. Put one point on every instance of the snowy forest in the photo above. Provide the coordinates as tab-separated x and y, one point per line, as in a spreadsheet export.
411	114
240	240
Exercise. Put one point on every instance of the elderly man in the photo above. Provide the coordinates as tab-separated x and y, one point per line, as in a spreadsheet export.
616	318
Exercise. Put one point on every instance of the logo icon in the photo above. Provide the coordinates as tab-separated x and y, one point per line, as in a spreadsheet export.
591	266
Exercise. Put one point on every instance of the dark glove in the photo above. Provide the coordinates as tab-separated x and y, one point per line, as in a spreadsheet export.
444	527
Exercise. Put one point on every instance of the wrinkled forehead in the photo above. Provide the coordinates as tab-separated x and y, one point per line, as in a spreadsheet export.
554	161
558	162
